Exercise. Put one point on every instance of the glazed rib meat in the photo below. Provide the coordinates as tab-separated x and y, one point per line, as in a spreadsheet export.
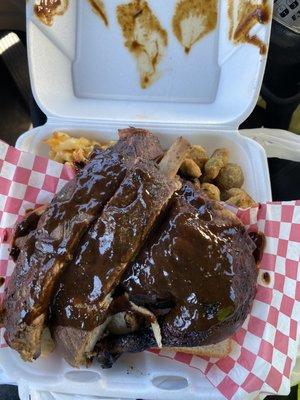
200	265
49	247
201	261
81	308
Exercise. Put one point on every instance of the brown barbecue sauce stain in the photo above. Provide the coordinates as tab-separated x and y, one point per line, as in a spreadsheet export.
194	19
243	18
46	10
266	278
99	8
144	37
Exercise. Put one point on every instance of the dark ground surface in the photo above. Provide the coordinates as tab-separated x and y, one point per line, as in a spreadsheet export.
8	392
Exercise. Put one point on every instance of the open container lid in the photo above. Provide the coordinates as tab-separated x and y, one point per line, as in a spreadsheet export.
81	69
83	75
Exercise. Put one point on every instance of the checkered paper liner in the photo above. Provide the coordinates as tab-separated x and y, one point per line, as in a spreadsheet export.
264	349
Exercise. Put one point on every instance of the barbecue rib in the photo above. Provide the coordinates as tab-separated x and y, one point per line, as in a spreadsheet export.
81	307
200	265
49	247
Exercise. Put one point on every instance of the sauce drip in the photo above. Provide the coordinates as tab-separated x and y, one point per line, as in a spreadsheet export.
99	8
194	19
144	37
46	10
243	18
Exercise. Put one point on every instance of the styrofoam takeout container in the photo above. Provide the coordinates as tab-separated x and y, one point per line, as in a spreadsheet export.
87	83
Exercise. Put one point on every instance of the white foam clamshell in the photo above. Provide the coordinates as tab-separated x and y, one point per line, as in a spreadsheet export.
87	83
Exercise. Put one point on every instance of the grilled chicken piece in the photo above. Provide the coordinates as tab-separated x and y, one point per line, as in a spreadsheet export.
81	308
49	248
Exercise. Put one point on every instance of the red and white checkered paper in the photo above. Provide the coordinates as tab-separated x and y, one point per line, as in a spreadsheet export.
264	349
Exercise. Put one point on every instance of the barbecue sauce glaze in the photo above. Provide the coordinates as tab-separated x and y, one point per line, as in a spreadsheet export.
108	247
72	210
192	262
187	264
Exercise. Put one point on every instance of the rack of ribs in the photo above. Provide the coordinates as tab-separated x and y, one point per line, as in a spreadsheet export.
128	256
48	248
197	272
81	309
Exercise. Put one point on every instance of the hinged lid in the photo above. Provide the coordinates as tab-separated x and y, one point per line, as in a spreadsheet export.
81	69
